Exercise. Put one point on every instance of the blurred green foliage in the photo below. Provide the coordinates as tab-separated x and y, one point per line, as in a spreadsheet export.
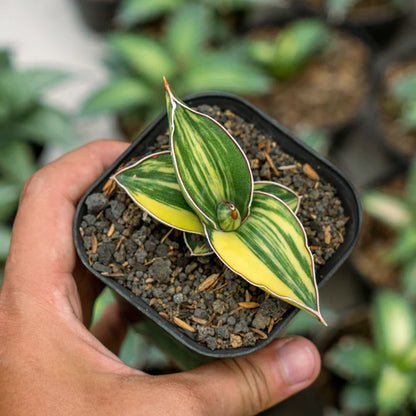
404	91
26	124
399	214
184	54
292	49
381	372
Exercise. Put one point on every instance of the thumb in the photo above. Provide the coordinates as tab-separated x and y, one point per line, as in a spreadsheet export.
250	384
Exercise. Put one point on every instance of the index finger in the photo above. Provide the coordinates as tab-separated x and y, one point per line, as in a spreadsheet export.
42	247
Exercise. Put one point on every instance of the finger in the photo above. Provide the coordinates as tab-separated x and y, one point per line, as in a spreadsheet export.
42	248
250	384
111	328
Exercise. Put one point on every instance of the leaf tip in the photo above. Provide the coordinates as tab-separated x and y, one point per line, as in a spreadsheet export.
321	318
167	86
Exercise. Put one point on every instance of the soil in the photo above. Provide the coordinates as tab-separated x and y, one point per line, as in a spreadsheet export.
369	256
364	9
200	295
398	138
327	94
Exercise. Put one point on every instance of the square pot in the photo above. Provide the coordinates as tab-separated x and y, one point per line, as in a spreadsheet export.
177	339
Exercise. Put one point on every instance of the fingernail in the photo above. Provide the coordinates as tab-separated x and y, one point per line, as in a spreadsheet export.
296	359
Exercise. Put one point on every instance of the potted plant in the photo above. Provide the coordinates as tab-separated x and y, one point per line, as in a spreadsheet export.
380	19
379	368
198	300
27	124
385	254
321	75
395	105
140	61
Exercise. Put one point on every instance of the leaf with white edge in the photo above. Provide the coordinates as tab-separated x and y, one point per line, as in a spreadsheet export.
394	324
353	359
152	184
210	165
197	244
270	251
144	55
119	95
289	197
386	208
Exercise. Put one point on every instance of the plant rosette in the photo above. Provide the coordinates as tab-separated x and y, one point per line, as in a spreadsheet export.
199	183
312	63
395	105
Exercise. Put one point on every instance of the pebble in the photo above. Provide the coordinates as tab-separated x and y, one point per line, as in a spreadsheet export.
241	327
141	256
96	203
260	321
101	268
105	252
219	306
211	343
161	250
160	270
178	298
140	235
223	332
249	340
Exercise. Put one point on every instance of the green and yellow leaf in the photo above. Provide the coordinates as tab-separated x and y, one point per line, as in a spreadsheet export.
197	244
210	165
152	184
289	197
270	251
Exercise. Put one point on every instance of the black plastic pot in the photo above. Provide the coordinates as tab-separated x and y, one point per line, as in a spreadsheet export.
378	29
98	14
179	342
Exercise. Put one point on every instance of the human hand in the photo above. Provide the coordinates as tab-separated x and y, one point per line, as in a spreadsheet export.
51	364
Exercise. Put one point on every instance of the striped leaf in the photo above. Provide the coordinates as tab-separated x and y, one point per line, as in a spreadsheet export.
289	197
210	165
151	183
270	251
197	244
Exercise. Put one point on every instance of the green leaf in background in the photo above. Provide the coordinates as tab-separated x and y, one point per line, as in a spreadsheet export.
394	325
40	79
289	197
5	59
393	389
105	298
144	55
5	236
17	163
210	165
9	198
197	244
411	187
404	248
318	140
46	125
358	399
261	51
386	208
220	71
188	32
404	88
296	44
270	251
408	281
141	11
118	95
353	359
152	184
408	117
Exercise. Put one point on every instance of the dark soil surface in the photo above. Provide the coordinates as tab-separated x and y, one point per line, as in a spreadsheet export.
397	137
327	94
364	9
199	294
370	255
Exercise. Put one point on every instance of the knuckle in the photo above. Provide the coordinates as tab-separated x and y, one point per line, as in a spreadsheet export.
190	398
34	184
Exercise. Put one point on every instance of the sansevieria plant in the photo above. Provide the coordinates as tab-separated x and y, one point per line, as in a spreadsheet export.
204	186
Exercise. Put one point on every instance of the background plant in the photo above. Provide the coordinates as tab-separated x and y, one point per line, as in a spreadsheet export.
381	373
399	214
183	53
26	125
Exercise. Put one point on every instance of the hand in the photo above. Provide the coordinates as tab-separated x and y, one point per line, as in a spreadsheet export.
51	364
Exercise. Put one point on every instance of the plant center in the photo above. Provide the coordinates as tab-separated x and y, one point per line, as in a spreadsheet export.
228	216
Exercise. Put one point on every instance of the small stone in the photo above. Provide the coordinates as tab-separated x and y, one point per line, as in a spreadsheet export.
204	332
223	332
162	250
101	268
96	203
260	321
241	327
105	252
178	298
150	246
219	306
200	313
90	219
141	256
265	171
209	297
160	270
269	308
186	289
249	340
236	341
120	256
211	343
191	267
139	274
140	235
231	320
117	208
182	276
158	292
87	242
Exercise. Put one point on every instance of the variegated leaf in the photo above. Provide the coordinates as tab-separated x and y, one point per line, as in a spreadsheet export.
289	197
270	251
197	244
210	165
152	184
